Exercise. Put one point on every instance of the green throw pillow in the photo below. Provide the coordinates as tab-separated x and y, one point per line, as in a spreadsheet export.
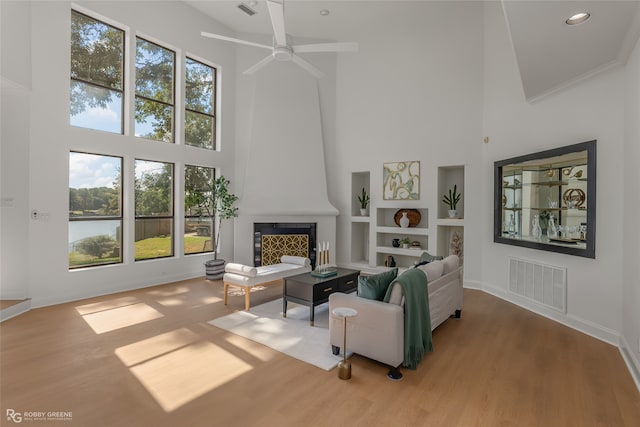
375	287
427	257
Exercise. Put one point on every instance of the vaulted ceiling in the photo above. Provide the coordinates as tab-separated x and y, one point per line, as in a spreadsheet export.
550	54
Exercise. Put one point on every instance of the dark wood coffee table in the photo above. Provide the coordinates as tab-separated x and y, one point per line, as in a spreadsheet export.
308	290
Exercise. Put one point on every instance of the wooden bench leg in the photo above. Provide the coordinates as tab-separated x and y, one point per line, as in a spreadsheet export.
247	298
247	295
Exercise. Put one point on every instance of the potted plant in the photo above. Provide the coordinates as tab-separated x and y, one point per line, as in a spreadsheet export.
364	202
405	242
452	200
213	199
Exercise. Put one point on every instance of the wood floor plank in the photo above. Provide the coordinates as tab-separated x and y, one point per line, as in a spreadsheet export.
149	358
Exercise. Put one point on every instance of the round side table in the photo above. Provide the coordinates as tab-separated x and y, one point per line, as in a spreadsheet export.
344	367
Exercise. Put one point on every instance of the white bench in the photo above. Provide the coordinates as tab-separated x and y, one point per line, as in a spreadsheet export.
246	277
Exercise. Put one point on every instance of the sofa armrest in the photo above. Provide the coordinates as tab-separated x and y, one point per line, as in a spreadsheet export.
376	332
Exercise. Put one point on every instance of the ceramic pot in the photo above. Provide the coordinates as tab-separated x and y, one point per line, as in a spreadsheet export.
363	212
453	213
395	243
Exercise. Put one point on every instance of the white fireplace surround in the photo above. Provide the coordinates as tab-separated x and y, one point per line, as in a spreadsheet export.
285	179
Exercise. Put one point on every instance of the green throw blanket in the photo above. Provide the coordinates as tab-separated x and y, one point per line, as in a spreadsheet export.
417	320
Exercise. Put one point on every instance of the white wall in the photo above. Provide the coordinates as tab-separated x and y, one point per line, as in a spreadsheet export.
631	207
592	110
51	139
15	66
412	92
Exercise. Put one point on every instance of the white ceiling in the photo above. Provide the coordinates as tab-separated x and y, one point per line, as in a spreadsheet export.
550	54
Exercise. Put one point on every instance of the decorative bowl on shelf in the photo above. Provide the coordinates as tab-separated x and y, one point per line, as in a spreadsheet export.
413	215
574	197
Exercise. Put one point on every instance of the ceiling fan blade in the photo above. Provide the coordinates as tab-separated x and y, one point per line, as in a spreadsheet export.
307	66
276	12
259	65
326	47
231	39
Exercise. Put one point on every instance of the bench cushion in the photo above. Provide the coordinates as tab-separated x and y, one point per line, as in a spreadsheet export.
244	275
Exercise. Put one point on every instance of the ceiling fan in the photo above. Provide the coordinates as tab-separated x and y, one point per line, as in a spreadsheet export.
282	50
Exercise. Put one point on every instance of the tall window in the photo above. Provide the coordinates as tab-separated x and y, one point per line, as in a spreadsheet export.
198	213
97	70
95	210
200	104
154	209
155	75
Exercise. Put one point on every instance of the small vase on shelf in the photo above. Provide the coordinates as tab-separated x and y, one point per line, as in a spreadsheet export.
536	230
511	226
363	212
404	221
452	213
552	230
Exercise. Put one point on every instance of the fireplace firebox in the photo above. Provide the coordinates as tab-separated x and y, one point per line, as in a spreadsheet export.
271	240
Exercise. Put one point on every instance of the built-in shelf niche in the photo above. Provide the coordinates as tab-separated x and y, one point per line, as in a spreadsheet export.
448	176
360	242
359	180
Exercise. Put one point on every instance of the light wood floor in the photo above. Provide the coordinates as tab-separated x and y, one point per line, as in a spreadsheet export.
149	358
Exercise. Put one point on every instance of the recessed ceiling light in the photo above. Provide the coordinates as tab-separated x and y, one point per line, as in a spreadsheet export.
578	18
324	12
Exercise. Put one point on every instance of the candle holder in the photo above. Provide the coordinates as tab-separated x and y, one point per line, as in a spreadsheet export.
323	267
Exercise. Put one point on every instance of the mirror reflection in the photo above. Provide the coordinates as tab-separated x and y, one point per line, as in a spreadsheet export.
547	200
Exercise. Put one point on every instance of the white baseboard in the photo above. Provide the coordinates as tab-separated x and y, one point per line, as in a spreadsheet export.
472	284
15	310
633	364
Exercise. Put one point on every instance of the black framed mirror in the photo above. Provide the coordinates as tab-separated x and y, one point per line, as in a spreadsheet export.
547	200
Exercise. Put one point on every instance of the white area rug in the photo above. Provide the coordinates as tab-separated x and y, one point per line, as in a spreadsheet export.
292	335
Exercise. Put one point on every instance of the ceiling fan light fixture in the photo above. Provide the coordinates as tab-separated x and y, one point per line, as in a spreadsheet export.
282	53
578	18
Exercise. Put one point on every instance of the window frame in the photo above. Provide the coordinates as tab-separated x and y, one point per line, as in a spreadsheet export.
186	217
123	85
174	93
172	217
102	217
214	103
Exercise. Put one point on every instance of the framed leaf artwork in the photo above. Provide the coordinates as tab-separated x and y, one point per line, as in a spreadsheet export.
401	181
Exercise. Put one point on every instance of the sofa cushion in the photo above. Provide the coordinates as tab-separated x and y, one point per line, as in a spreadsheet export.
375	287
433	270
450	263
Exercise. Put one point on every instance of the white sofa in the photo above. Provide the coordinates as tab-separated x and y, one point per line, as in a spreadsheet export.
246	277
377	332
